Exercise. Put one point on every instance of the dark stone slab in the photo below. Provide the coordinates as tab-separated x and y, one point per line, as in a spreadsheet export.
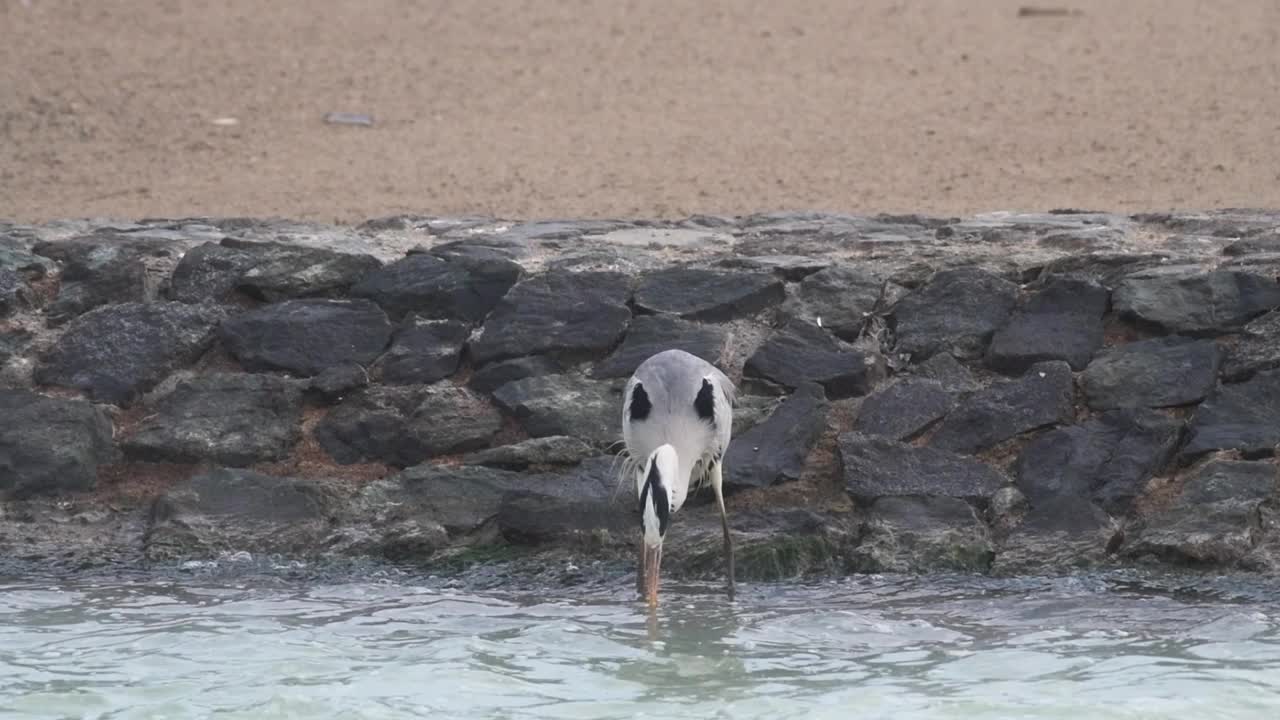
1041	397
949	372
1062	321
460	288
842	297
558	507
457	498
904	409
495	375
1060	535
1215	521
1161	372
710	295
1255	349
49	445
405	425
208	273
551	450
878	467
94	275
572	405
280	271
649	335
424	351
922	534
1108	458
1240	416
799	353
556	313
337	381
230	510
956	312
1257	245
117	351
792	268
224	419
11	288
1197	303
775	450
307	337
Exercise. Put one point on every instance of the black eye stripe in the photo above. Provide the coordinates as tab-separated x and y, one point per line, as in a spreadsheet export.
640	405
705	402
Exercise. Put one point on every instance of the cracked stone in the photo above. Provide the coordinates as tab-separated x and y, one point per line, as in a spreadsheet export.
307	337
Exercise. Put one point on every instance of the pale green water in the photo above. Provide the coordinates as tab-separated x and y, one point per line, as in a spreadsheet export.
862	648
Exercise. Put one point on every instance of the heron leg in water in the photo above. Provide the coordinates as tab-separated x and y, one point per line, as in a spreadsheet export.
716	483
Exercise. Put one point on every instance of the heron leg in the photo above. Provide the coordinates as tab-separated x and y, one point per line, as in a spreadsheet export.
716	484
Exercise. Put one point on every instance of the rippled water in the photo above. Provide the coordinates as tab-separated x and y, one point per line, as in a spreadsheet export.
863	647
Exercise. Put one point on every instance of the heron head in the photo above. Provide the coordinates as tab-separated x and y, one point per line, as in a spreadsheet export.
655	513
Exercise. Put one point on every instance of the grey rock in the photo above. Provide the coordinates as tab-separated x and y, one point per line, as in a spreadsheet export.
405	425
556	313
751	410
339	380
17	259
1256	348
495	375
799	353
49	445
11	287
792	268
1215	521
1197	303
96	275
227	510
953	376
957	312
1061	535
281	271
424	351
224	419
1108	458
1161	372
842	297
649	335
877	467
117	351
13	343
1240	416
459	288
307	337
419	499
1256	245
1062	321
208	273
920	535
710	295
1043	396
565	506
775	450
904	409
550	450
565	405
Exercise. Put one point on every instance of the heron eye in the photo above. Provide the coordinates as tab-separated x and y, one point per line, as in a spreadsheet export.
640	405
705	402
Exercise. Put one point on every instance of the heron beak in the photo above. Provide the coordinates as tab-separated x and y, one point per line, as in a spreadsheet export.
651	564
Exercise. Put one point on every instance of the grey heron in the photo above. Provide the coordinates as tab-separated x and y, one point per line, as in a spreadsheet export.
677	418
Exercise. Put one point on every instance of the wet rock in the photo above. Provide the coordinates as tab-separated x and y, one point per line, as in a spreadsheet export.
424	351
649	335
842	297
224	419
11	285
1240	416
565	506
799	353
1060	535
948	372
339	380
98	274
405	425
1161	372
956	312
877	467
1198	303
208	273
228	510
550	450
495	375
565	405
307	337
709	295
459	288
1215	521
416	502
769	545
556	313
1108	458
904	409
117	351
49	445
1043	396
281	272
775	450
922	534
1255	349
1062	321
